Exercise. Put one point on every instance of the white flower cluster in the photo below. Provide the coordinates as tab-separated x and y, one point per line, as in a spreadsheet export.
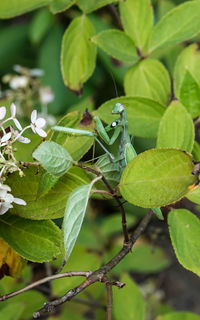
8	163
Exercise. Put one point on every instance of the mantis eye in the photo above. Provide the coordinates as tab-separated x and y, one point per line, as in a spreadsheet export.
113	124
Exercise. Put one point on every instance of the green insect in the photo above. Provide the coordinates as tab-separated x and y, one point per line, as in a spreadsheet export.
126	151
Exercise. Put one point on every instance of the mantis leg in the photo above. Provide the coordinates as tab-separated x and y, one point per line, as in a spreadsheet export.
102	132
112	158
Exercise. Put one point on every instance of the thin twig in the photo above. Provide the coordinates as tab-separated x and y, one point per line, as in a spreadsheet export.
28	163
102	192
120	205
109	301
98	275
41	281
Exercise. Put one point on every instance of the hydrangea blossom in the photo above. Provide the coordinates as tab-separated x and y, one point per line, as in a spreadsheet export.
8	163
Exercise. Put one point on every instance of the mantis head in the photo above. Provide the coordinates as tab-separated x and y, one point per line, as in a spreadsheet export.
118	108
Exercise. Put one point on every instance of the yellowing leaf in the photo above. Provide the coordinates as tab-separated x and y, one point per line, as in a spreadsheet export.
11	263
148	78
157	177
109	41
137	20
78	53
179	24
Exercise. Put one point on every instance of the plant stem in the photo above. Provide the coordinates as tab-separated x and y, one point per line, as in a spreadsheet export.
100	274
41	281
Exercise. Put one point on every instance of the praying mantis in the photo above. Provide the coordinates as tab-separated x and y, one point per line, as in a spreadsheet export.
126	151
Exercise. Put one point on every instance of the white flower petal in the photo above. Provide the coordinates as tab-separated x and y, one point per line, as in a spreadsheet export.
40	122
13	109
8	198
18	125
4	209
6	137
19	201
2	112
41	132
33	116
23	139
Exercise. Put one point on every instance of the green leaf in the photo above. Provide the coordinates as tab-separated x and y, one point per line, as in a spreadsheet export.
110	170
36	241
143	114
74	215
57	6
190	94
164	7
137	20
184	228
90	261
39	25
194	195
92	5
9	9
188	60
157	177
143	259
117	44
53	157
196	151
78	53
50	206
46	183
77	146
179	24
35	300
113	224
134	308
148	78
12	313
176	128
179	316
